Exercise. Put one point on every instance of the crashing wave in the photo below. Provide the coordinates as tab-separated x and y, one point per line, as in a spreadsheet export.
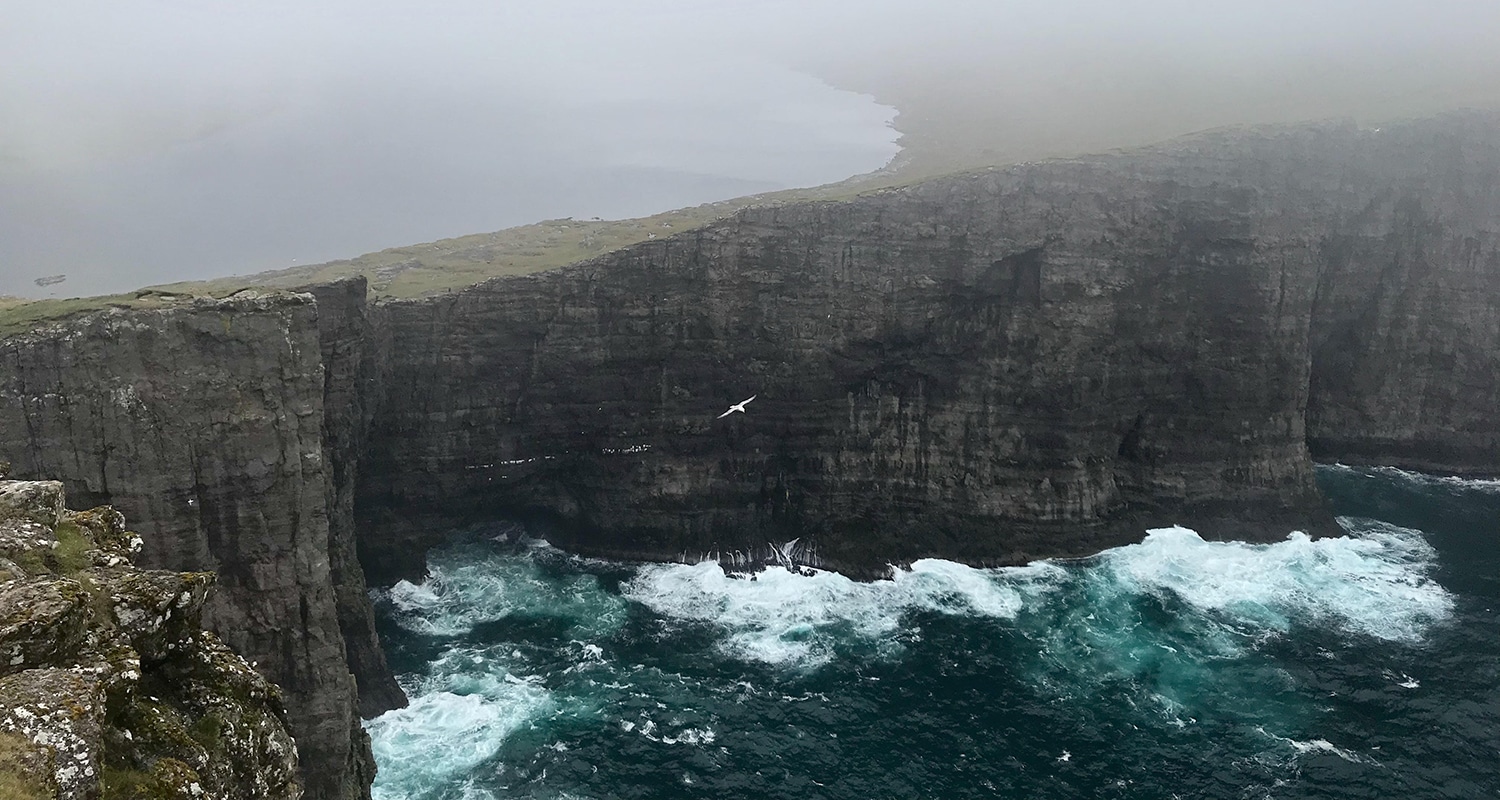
1374	583
458	718
469	585
1165	621
789	617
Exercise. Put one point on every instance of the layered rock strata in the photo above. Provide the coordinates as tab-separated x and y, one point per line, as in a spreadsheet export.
1032	361
350	348
1406	330
109	686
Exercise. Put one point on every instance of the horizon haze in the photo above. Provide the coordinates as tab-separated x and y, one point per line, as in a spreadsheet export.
169	141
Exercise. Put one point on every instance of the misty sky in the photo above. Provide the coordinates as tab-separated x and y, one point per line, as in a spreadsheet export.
146	142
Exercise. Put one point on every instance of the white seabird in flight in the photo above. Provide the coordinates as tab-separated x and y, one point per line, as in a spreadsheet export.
740	407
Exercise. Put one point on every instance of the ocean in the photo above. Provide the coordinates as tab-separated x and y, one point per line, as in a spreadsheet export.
395	162
1364	666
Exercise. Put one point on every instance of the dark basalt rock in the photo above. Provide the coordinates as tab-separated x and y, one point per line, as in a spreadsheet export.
1034	361
1406	332
346	336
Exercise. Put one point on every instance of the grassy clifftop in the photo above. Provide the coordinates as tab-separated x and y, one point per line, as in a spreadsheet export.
423	269
411	271
19	316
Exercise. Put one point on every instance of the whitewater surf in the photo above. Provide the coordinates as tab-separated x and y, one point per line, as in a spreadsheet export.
1338	667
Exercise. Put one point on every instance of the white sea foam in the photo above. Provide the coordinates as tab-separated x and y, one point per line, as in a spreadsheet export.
783	617
1402	680
648	729
1374	584
455	722
1169	618
473	792
469	586
449	605
468	700
1319	747
1424	480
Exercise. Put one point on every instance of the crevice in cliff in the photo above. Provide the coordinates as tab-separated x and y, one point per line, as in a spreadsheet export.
349	347
1016	278
1130	444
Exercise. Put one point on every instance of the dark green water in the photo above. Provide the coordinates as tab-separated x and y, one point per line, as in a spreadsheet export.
1361	667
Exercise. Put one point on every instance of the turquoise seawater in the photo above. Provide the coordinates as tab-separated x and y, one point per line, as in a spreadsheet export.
1365	666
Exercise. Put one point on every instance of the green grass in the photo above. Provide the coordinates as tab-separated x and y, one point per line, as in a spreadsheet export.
73	546
103	606
26	316
208	731
19	315
401	272
434	267
31	561
131	784
16	779
70	557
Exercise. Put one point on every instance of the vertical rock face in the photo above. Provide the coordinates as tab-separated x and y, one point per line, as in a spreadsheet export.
205	424
1034	361
350	364
1027	362
108	687
1041	360
1406	335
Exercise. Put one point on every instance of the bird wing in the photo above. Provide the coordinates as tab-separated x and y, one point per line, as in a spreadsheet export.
725	414
752	397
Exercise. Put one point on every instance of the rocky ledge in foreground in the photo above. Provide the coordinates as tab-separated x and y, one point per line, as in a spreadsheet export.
109	686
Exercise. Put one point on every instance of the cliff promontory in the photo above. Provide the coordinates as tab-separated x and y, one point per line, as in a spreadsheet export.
204	424
109	686
1021	362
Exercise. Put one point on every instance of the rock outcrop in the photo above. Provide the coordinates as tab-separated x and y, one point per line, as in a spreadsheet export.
1032	361
109	686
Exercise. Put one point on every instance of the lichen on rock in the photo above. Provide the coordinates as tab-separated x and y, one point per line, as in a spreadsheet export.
109	687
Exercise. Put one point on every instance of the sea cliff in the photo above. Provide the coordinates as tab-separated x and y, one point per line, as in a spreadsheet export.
1032	361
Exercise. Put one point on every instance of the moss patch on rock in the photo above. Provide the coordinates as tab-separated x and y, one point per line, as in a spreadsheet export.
167	779
73	548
